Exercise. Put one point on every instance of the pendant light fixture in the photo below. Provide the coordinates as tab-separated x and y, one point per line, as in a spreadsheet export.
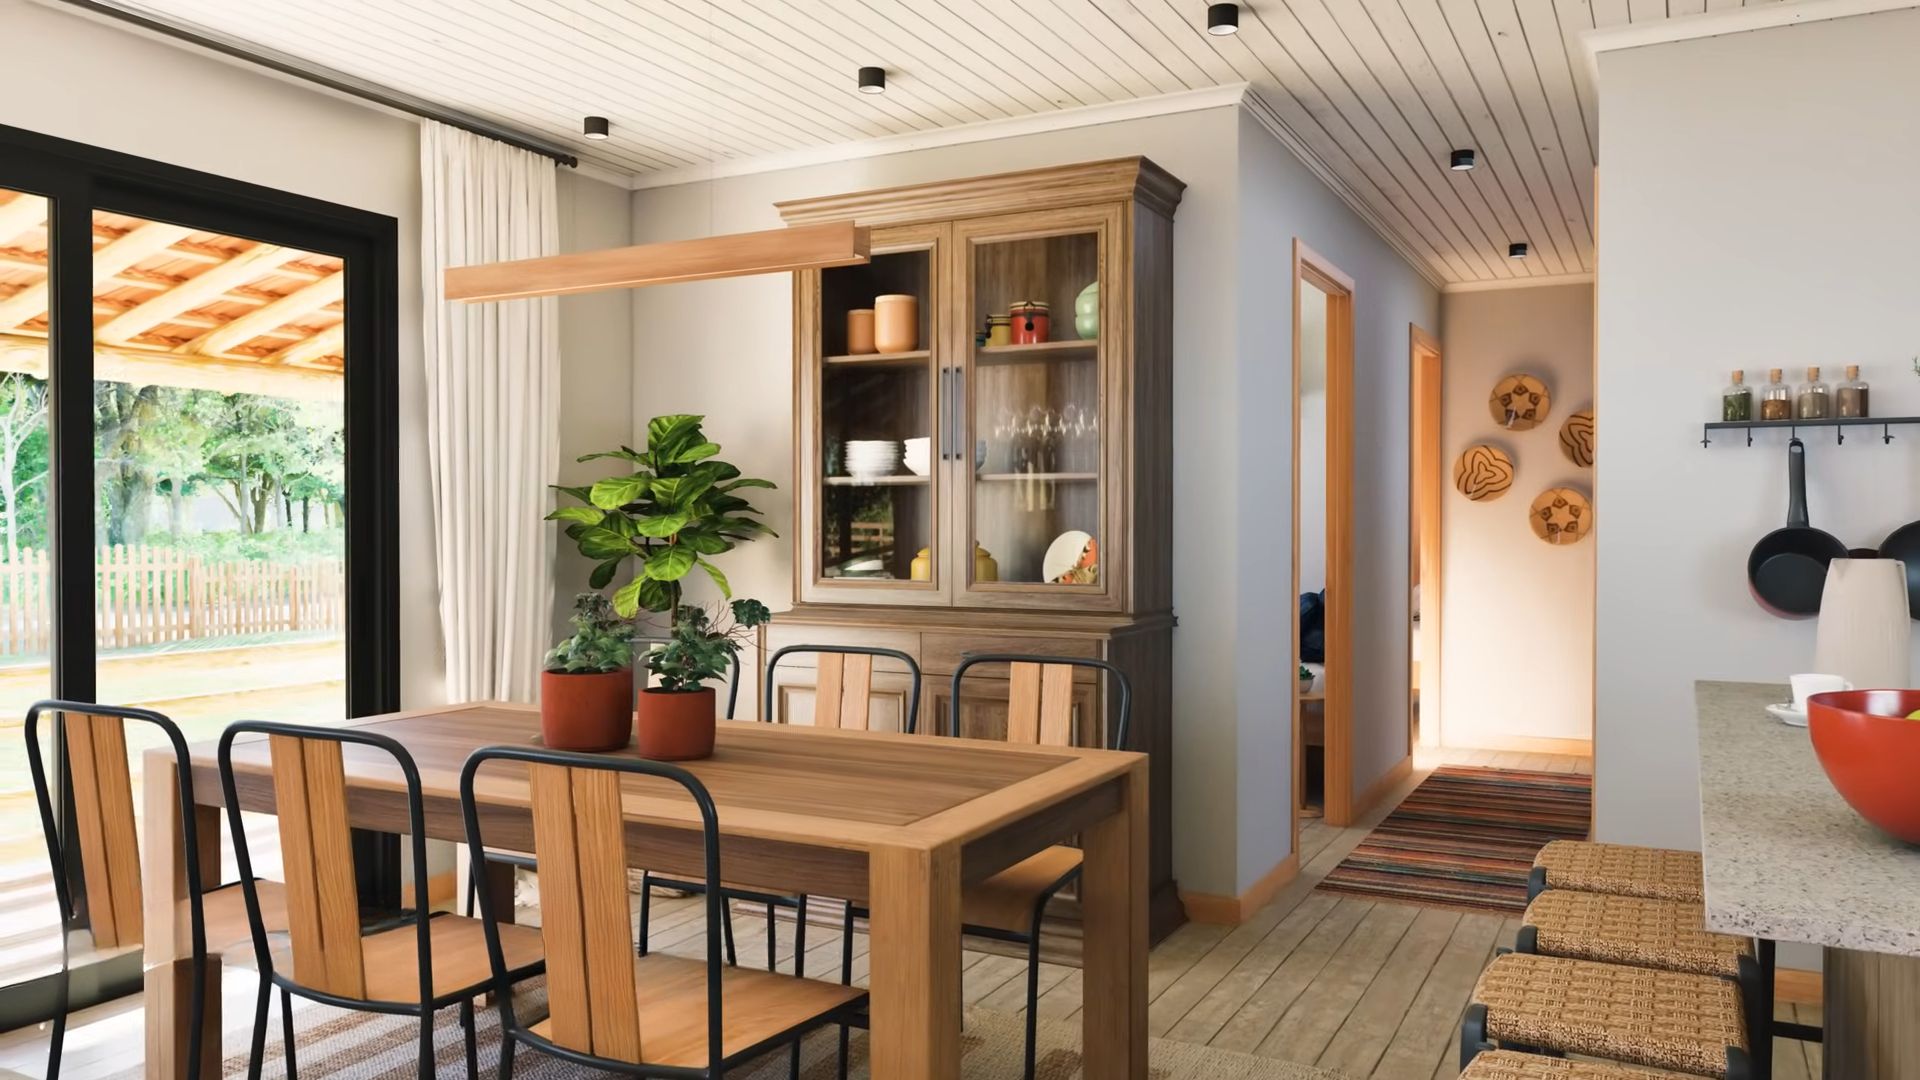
1517	250
1223	19
1463	160
596	127
873	80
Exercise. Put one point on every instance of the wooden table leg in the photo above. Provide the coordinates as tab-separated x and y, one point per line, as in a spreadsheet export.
1870	1003
914	969
169	926
1113	906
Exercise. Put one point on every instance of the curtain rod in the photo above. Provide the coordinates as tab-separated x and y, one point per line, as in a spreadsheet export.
332	80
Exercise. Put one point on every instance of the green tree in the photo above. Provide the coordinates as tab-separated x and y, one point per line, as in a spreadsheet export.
23	459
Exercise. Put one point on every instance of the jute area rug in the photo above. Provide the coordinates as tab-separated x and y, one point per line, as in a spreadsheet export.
361	1046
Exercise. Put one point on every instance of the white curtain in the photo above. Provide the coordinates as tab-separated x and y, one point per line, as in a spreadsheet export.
493	398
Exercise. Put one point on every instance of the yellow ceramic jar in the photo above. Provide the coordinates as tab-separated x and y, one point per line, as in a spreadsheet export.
922	567
984	566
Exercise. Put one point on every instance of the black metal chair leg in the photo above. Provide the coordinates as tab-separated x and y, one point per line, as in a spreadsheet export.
646	911
506	1056
1033	993
473	1041
773	953
800	939
846	954
57	1038
426	1044
258	1051
845	1033
726	931
286	1034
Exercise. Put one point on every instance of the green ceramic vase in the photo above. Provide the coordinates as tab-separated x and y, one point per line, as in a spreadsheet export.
1086	312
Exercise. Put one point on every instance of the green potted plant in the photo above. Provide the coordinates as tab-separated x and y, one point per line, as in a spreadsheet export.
676	718
1306	679
679	506
587	685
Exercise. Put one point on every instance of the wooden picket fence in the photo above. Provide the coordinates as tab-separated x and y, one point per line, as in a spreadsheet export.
150	595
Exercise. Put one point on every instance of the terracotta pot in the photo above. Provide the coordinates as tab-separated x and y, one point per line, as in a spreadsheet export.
896	323
860	331
674	725
586	710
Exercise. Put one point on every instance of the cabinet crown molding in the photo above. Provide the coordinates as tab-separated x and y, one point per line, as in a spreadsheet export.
1135	178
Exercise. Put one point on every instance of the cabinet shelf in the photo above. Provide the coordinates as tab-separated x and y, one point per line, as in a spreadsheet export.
1051	477
1040	352
908	480
915	358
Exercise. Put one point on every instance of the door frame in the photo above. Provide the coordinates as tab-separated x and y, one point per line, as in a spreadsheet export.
1311	267
78	178
1427	379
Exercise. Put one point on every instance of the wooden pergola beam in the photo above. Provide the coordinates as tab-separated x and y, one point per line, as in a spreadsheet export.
269	316
23	212
144	368
330	340
115	258
256	261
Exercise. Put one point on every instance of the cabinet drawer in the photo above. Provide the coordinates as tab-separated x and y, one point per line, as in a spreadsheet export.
940	653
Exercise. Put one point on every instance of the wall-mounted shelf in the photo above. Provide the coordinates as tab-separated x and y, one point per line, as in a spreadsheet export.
1886	424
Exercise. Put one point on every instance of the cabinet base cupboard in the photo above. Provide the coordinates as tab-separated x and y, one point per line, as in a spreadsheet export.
999	478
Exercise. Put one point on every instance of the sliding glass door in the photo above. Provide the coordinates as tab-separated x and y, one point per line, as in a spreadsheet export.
197	477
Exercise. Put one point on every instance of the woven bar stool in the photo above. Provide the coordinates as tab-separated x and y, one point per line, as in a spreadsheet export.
1637	1016
1618	870
1510	1065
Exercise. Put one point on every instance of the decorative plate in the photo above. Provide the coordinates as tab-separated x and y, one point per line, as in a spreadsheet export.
1483	472
1072	559
1519	402
1561	516
1576	438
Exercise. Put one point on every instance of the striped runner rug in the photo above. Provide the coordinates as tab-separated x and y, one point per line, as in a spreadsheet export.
1466	838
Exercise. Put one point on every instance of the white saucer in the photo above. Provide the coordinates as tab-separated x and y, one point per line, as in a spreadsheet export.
1787	714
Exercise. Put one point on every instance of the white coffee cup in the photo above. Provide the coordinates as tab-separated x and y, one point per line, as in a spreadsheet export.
1805	686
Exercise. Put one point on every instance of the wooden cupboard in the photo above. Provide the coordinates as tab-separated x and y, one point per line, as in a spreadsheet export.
962	493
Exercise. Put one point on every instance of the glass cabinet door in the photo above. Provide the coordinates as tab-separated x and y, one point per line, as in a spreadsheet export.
1040	409
872	476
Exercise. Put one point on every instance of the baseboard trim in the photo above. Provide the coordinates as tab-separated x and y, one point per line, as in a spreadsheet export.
1370	799
1526	744
1216	910
1795	987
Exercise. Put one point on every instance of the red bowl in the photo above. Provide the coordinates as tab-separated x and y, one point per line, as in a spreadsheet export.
1871	753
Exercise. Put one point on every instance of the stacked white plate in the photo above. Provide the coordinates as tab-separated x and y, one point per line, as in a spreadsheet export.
918	457
870	458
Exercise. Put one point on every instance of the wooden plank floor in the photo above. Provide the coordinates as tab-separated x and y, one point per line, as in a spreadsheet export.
1372	990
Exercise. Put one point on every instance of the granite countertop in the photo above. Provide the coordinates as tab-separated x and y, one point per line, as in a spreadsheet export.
1786	858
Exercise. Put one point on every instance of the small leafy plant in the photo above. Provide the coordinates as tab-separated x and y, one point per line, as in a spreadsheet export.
601	640
702	644
676	508
1306	674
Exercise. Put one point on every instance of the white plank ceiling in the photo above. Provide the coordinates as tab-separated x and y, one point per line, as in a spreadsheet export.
1378	90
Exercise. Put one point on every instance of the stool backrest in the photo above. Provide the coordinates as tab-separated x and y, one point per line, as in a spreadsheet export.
579	837
316	850
1040	697
843	692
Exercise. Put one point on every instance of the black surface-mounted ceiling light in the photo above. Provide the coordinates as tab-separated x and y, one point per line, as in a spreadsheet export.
873	80
596	127
1223	19
1463	160
1517	250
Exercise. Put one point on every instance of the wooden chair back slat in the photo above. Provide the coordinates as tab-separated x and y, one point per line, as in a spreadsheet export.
323	902
1040	704
578	835
844	693
103	820
829	690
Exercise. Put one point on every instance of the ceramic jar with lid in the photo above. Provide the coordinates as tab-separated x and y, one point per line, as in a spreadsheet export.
921	569
1086	312
860	331
999	330
1031	322
985	566
896	322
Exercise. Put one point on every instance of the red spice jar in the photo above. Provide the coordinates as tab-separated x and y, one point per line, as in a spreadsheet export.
1031	322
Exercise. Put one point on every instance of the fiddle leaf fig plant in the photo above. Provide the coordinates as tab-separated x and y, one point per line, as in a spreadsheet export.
679	506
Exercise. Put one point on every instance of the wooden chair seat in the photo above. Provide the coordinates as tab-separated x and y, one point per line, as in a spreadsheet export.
757	1006
460	961
226	912
1005	900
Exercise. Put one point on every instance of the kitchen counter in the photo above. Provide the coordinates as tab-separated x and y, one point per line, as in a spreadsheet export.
1787	859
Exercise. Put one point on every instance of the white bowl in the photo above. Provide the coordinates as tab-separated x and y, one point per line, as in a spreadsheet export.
918	455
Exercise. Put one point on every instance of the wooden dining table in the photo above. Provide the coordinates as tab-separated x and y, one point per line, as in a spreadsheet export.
898	823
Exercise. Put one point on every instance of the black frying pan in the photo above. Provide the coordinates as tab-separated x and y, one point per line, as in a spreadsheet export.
1903	543
1787	569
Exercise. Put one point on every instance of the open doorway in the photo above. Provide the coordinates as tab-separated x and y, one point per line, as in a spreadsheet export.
1322	538
1423	498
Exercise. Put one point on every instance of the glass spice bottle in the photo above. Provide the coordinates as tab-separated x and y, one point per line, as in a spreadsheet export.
1776	399
1736	402
1815	399
1851	397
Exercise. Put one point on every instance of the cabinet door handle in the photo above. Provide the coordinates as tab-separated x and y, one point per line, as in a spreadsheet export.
957	415
946	436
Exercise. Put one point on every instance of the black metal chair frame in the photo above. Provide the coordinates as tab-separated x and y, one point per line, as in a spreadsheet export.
511	1030
69	918
421	917
1123	711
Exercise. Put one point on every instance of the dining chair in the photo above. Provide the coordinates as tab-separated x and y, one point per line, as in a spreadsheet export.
103	831
1012	904
427	963
608	1008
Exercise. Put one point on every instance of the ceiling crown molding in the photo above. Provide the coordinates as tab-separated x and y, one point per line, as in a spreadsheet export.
1719	23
